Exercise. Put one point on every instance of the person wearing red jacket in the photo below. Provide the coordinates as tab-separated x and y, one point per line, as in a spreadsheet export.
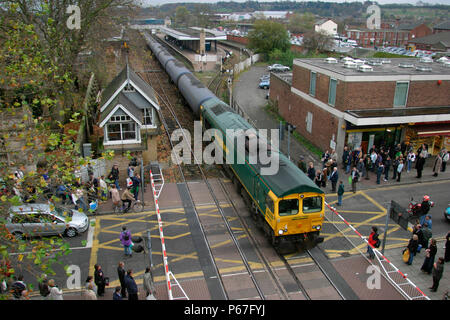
373	239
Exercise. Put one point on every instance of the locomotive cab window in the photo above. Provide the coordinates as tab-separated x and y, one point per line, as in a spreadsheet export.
269	204
312	204
288	207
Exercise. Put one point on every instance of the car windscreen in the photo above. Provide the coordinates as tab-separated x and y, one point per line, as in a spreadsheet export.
312	204
62	213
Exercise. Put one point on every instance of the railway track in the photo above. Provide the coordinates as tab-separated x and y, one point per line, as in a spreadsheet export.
261	279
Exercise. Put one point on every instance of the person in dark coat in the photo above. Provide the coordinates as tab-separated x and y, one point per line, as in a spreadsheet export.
420	163
334	176
117	295
340	193
427	265
387	166
131	286
311	171
412	247
99	279
301	164
114	175
438	270
121	273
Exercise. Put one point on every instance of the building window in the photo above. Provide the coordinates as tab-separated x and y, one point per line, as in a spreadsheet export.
401	94
332	92
121	131
312	84
309	119
148	115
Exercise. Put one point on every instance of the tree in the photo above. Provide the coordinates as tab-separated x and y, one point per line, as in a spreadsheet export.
268	35
26	78
301	23
60	44
182	16
317	42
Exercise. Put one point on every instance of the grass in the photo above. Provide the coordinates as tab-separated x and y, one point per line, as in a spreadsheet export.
273	112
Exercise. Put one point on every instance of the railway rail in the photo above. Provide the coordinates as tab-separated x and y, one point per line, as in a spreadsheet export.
171	122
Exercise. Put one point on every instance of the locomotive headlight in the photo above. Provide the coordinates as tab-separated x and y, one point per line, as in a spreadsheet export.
280	232
316	227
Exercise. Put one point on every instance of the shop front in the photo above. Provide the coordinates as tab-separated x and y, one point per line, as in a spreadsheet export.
367	137
435	135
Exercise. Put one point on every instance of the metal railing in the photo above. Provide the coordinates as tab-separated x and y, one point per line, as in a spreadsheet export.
390	272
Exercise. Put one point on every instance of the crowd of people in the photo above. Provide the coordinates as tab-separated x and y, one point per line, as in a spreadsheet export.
83	195
383	163
94	285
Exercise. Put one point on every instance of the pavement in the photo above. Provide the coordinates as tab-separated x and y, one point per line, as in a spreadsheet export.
252	100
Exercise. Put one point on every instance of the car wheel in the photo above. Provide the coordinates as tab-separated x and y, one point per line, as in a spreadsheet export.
18	235
71	232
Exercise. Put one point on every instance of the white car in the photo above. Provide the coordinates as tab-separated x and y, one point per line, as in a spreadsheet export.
45	219
278	67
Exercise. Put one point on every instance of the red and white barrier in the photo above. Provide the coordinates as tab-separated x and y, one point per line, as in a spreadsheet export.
161	235
381	258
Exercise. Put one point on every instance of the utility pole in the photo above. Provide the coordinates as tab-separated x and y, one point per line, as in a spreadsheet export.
388	214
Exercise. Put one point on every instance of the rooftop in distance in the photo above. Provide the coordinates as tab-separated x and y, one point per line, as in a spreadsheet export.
378	67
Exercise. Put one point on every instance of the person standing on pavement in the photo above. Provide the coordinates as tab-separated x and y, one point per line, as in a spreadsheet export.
121	273
367	164
301	164
131	286
115	196
373	239
361	168
426	235
345	154
447	247
55	292
438	270
311	171
89	293
340	193
136	184
445	158
318	178
399	170
334	179
422	154
44	290
114	175
431	251
437	165
380	172
387	165
99	279
149	285
410	158
412	247
19	288
355	178
125	238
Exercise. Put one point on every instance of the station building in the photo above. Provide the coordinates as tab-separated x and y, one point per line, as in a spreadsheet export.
335	103
199	45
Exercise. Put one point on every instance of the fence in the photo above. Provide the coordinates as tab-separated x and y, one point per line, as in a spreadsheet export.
98	168
247	63
390	272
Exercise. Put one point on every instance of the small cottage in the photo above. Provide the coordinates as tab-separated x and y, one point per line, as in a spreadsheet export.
129	114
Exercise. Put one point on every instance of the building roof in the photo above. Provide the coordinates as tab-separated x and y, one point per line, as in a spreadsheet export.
193	33
322	21
385	72
443	25
432	39
128	76
409	26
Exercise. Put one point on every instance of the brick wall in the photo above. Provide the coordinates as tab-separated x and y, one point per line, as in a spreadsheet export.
295	110
243	40
372	95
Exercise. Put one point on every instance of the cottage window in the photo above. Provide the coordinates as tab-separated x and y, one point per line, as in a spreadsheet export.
332	92
148	116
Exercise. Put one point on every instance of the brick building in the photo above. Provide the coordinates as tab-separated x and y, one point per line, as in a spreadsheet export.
334	104
397	37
